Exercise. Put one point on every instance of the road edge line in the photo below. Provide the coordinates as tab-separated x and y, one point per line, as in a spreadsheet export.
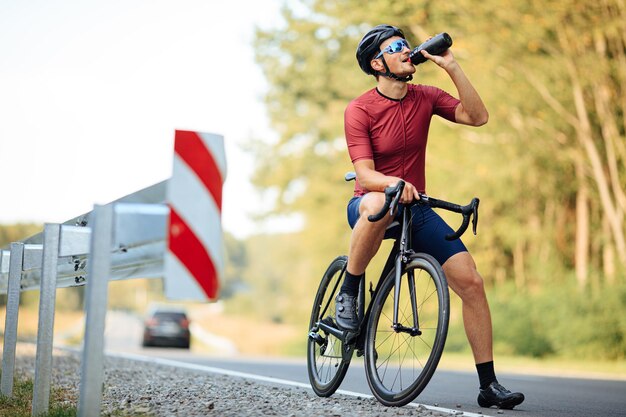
244	375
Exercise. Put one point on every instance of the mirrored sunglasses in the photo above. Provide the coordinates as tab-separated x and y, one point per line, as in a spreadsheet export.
394	47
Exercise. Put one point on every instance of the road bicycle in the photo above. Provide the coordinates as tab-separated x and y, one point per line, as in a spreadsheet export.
403	329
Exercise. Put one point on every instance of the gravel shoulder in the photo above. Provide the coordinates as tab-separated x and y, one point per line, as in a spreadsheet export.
133	388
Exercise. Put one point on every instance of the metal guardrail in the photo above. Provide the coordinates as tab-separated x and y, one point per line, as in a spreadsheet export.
124	239
127	238
138	254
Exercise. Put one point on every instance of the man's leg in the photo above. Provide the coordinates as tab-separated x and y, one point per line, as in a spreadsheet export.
365	242
466	282
367	236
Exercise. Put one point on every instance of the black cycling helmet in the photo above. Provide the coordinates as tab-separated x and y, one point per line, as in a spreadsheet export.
369	47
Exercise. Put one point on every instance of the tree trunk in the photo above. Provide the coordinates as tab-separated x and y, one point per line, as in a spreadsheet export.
518	265
581	255
608	255
610	208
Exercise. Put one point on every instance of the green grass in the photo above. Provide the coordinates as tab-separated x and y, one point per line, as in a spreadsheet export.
565	367
19	405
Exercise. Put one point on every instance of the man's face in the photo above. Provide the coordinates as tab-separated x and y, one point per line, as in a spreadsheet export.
397	62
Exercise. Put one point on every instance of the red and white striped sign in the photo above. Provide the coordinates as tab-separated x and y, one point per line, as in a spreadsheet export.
194	261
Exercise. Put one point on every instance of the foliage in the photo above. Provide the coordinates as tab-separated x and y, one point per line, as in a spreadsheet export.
275	290
236	263
567	59
550	167
17	232
561	319
529	165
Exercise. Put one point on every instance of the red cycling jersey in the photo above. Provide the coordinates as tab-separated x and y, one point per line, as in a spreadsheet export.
393	133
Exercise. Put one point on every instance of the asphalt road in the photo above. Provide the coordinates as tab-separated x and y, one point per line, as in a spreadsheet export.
545	396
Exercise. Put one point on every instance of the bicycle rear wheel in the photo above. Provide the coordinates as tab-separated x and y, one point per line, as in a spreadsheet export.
325	360
399	364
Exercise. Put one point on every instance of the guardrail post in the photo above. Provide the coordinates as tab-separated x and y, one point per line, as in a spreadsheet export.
45	330
92	372
10	323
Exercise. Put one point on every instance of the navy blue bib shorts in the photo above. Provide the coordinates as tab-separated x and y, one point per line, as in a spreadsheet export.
429	231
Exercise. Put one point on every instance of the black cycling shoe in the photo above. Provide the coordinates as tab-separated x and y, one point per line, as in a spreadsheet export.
345	312
496	394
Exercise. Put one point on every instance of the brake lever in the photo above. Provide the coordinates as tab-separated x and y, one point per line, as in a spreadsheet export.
389	200
475	203
394	202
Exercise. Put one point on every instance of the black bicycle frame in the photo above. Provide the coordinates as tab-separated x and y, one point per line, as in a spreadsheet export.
402	258
398	256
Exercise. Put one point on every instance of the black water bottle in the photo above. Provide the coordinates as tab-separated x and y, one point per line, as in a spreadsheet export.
434	46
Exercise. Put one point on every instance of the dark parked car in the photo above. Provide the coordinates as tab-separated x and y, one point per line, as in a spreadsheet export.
165	326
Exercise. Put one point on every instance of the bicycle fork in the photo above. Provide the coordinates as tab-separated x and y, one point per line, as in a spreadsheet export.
401	260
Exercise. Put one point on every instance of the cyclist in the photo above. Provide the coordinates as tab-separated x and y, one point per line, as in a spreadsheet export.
386	131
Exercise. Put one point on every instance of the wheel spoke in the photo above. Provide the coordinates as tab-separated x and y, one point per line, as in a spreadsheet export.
402	366
405	341
326	369
394	351
387	361
424	297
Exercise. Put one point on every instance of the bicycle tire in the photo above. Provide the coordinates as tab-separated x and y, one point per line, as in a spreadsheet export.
387	351
326	364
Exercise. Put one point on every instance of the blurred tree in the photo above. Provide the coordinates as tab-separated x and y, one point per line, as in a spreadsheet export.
550	165
569	60
17	232
313	74
236	264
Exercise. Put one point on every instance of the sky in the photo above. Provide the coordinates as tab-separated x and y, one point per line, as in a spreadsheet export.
91	93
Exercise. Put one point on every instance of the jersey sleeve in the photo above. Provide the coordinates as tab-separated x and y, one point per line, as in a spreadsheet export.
356	125
444	105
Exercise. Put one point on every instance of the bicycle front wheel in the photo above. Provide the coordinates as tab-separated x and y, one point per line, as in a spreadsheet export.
400	360
325	360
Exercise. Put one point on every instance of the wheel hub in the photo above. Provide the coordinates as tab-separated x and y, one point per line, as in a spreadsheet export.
413	331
